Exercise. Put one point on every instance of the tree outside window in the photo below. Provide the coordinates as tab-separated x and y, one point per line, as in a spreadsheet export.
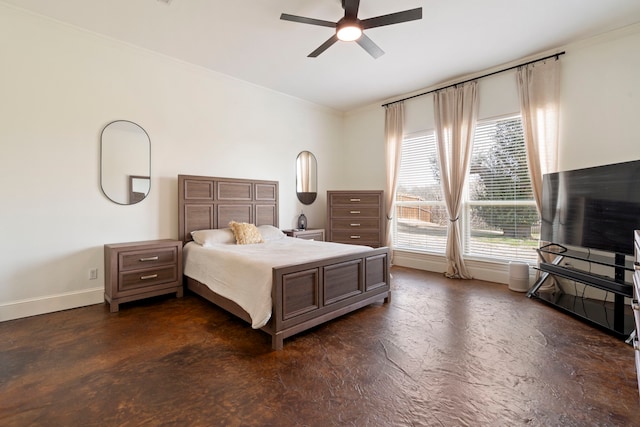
501	176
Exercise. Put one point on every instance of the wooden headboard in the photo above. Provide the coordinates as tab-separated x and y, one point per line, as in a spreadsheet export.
206	202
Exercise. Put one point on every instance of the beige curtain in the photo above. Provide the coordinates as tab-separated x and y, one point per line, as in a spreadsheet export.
539	91
456	112
393	130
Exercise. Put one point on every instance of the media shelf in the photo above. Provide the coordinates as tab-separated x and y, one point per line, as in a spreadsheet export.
598	313
605	283
613	317
611	260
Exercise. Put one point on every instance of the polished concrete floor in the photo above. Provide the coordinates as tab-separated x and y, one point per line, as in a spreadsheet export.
442	353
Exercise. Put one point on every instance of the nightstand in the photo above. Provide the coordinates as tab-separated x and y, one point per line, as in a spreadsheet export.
309	234
139	270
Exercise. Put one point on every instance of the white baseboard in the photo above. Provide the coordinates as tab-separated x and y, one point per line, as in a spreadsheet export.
35	306
427	262
481	270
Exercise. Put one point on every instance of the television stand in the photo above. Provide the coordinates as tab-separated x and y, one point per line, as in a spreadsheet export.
615	318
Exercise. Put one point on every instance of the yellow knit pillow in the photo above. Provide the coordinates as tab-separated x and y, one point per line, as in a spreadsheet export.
245	233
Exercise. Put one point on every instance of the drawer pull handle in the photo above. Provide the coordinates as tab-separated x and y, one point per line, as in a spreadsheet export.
634	305
150	276
151	258
355	225
354	212
354	200
636	266
355	237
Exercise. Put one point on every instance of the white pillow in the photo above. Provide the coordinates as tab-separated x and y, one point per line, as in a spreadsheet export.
210	237
269	232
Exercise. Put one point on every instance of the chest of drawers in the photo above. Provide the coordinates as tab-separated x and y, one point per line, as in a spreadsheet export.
138	270
356	217
635	304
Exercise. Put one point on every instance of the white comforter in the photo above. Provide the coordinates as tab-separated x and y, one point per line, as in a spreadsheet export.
243	273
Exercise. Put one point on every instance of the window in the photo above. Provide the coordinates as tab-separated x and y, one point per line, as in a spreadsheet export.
421	216
499	216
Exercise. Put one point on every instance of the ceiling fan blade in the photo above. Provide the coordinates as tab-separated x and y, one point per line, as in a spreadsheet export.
368	45
351	8
392	18
324	46
303	20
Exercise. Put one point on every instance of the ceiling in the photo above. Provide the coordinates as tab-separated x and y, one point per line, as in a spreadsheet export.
246	39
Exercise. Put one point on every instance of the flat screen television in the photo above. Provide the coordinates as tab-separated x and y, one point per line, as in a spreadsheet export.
595	208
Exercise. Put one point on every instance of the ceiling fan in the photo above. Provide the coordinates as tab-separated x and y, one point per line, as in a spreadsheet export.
350	28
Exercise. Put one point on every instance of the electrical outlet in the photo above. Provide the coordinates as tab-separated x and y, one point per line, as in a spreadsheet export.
93	274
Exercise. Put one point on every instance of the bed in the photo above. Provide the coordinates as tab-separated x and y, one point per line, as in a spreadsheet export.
304	293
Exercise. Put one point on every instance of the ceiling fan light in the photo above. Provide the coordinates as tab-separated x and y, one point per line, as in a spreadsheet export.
349	32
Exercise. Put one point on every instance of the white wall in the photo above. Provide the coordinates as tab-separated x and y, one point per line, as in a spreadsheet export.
600	109
60	86
601	100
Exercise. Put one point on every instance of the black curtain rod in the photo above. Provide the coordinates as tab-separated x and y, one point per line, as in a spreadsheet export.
555	55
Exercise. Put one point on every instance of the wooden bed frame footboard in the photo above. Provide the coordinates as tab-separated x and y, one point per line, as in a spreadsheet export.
309	294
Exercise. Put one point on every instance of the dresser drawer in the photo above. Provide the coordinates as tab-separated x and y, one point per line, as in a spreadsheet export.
636	352
635	305
636	313
355	212
135	260
356	224
359	199
361	237
373	244
636	273
145	278
636	261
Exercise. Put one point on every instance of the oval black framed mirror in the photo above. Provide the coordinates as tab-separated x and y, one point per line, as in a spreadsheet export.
125	162
306	177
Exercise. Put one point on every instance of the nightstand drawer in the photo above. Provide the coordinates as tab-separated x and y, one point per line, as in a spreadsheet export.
318	235
136	260
310	234
145	278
